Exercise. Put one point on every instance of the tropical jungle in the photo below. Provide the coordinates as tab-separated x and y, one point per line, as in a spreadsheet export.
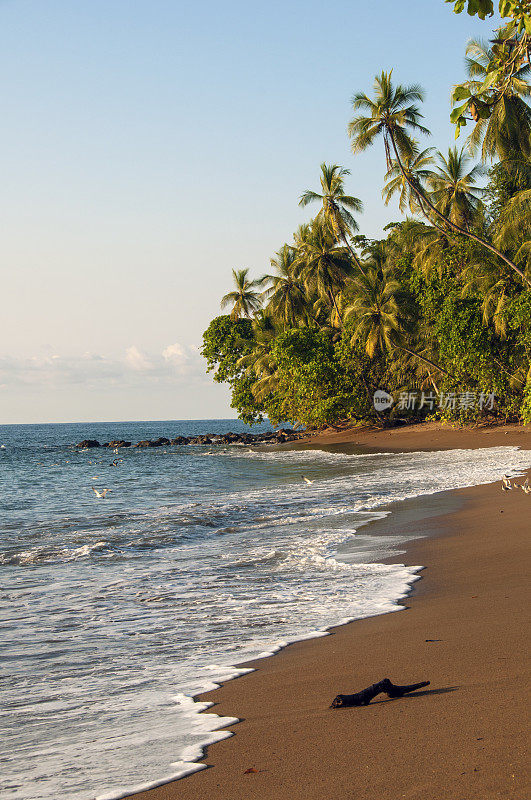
437	314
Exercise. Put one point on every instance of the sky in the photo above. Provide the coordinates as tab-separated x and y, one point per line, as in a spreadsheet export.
149	147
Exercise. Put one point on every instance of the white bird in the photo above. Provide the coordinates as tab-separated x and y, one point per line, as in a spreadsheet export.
100	495
307	480
506	484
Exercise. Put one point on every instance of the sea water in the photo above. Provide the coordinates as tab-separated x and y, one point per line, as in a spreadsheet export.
114	613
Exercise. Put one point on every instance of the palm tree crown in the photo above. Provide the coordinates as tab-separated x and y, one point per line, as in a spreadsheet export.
324	267
453	187
336	205
375	309
245	299
286	293
392	114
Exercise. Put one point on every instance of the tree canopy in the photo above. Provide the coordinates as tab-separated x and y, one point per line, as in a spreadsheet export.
437	313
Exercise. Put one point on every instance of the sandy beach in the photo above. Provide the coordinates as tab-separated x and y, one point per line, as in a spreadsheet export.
464	629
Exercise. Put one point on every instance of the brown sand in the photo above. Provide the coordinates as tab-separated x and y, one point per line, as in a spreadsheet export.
425	436
464	738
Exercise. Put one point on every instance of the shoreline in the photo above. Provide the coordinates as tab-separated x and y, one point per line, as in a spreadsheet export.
423	436
254	697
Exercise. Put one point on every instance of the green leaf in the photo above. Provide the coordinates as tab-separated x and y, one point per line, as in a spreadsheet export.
460	92
457	112
482	8
489	81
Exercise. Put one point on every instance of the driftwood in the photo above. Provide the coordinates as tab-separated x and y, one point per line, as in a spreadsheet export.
364	697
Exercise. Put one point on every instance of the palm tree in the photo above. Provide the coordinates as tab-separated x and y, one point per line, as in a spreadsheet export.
286	294
508	127
375	311
418	169
336	205
324	267
380	321
394	115
454	192
245	300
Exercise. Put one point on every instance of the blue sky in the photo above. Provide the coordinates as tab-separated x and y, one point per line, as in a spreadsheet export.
147	148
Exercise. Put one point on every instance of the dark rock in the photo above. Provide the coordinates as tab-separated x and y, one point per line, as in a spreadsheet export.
119	443
87	443
180	440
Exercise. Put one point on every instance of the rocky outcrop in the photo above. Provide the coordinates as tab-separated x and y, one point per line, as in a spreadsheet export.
270	437
179	440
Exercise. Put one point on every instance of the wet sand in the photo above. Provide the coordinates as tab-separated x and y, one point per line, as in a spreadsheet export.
465	628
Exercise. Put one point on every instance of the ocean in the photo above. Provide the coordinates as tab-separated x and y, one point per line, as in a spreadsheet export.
115	612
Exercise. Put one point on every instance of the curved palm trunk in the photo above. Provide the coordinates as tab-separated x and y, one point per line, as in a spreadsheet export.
426	361
332	298
353	254
422	197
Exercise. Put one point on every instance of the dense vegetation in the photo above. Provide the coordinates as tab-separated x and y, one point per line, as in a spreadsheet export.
437	313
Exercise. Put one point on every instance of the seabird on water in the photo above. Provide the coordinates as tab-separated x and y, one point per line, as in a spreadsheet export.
100	495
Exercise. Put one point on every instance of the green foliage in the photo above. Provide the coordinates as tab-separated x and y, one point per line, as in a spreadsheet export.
519	10
526	405
225	341
249	409
307	373
323	379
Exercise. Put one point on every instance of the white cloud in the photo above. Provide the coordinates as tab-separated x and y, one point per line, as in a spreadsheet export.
176	365
136	360
175	354
183	358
